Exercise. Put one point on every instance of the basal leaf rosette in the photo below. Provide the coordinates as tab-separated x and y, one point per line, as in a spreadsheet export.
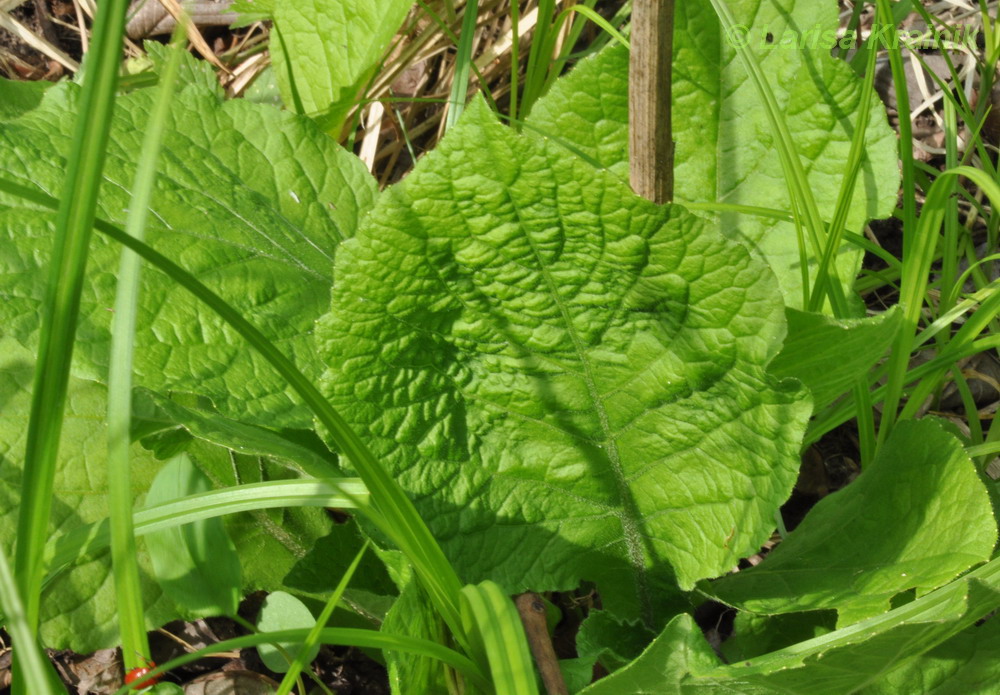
567	379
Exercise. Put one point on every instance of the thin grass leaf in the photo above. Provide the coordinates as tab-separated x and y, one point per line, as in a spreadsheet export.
846	194
844	411
314	634
950	251
853	25
538	85
446	30
74	223
916	249
572	37
292	86
36	669
131	619
591	14
803	203
984	449
944	321
538	59
992	440
957	104
341	636
918	254
969	403
85	541
491	617
964	337
515	57
827	270
463	61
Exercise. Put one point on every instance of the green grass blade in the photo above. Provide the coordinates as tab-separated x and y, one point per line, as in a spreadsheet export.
853	25
342	636
841	412
538	58
554	69
950	252
972	416
406	133
801	195
403	524
827	269
571	39
515	57
984	449
74	222
472	64
35	668
131	620
944	321
589	13
297	105
84	541
490	615
845	196
983	454
916	249
918	255
313	639
957	241
867	440
957	344
463	61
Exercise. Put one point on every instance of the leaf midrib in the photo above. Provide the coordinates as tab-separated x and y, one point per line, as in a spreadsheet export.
629	513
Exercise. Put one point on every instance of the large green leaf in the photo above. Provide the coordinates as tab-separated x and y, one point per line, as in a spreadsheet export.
568	379
894	528
724	143
848	660
966	664
325	50
251	200
829	355
662	667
